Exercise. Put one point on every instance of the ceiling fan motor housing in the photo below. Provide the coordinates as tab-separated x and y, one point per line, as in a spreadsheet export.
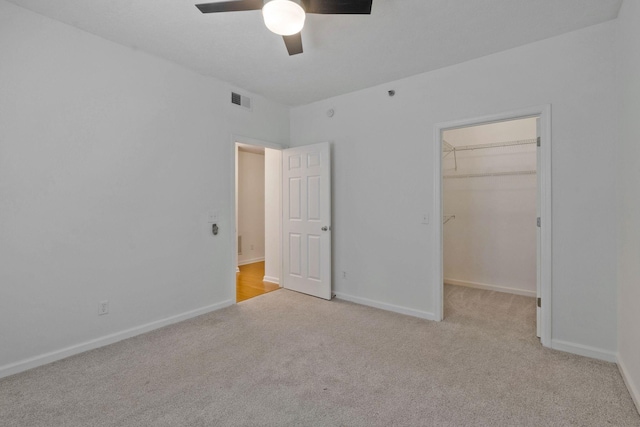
298	2
286	17
283	17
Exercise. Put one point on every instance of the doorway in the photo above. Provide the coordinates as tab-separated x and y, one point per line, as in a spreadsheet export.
492	185
257	214
297	232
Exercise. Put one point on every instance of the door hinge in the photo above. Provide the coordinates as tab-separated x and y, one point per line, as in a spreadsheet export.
539	302
538	222
538	141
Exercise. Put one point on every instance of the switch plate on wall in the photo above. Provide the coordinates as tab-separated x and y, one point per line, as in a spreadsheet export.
425	218
213	217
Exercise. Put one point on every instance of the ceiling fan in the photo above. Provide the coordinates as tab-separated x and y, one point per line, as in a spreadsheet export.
286	17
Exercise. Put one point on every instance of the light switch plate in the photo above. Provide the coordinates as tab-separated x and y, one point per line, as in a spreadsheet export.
425	218
213	217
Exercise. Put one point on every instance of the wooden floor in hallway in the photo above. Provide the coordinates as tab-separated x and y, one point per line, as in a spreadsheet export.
249	282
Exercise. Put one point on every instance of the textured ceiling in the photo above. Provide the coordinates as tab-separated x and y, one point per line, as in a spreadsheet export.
341	53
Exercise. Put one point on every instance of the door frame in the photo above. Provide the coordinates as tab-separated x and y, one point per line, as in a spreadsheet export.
233	240
544	193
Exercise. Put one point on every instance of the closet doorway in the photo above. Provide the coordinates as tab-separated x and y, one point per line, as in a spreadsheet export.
258	200
492	179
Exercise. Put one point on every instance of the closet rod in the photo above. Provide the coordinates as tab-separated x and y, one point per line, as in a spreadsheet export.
496	145
480	175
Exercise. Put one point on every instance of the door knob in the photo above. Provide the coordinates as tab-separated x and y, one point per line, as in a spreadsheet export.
325	228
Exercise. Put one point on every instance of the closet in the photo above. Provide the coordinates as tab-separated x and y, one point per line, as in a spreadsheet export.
489	206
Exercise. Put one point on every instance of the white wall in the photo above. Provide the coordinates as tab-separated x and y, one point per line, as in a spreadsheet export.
251	206
110	160
272	213
491	243
383	176
629	196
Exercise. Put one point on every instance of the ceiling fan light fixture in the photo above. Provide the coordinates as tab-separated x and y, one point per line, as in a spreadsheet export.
283	17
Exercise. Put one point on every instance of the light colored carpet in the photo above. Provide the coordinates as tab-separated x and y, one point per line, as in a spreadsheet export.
288	359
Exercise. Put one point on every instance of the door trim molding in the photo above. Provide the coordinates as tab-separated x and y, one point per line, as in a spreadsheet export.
544	113
233	240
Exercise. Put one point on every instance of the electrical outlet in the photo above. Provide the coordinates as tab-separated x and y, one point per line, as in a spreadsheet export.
344	274
103	307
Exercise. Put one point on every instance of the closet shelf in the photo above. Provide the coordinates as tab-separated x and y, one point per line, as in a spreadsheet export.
480	175
448	147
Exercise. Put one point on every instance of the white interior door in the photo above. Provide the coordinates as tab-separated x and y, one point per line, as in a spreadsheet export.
538	234
306	219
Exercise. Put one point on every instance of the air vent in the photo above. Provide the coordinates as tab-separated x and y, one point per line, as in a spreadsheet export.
241	100
236	98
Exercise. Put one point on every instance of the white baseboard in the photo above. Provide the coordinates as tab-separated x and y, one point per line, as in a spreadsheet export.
385	306
250	261
490	287
271	280
634	391
43	359
584	350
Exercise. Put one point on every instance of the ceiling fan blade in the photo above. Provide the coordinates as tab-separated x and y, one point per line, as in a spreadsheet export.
230	6
336	7
293	43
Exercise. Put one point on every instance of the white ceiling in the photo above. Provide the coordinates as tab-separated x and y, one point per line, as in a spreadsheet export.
342	53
